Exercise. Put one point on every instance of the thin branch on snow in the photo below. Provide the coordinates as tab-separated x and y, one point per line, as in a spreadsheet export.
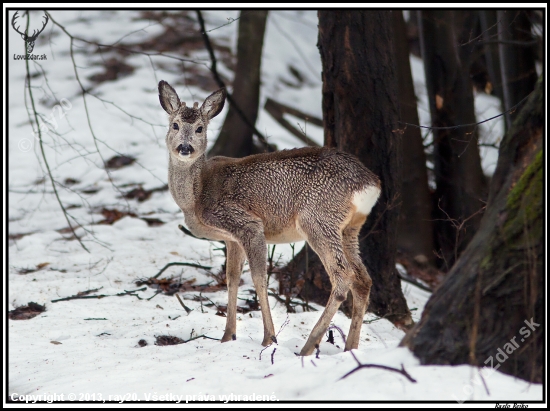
82	296
401	371
184	264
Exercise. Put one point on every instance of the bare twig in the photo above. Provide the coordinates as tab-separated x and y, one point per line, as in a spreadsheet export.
202	336
401	371
41	143
412	281
187	309
470	124
184	264
230	20
285	323
221	83
458	225
392	204
95	140
80	296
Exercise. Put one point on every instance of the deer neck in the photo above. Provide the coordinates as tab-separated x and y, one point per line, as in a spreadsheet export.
184	182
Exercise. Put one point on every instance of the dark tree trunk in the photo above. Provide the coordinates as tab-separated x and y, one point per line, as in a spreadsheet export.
494	296
235	138
412	32
461	185
360	117
414	233
517	61
489	30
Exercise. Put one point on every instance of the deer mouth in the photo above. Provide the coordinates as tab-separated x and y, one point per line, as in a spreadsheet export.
185	150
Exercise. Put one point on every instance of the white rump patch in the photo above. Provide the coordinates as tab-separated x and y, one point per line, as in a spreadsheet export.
365	199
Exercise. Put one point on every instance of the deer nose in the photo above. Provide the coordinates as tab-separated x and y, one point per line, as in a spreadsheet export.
185	149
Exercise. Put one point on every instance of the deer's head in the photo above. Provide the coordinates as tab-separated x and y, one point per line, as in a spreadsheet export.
186	137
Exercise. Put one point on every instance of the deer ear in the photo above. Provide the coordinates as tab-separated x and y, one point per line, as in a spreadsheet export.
213	104
168	97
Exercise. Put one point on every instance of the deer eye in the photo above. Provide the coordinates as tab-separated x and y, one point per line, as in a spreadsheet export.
175	126
199	130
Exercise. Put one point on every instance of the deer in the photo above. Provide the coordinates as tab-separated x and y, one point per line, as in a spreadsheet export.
317	194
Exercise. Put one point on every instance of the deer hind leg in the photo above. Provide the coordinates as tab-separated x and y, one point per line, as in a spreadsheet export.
330	250
233	269
360	288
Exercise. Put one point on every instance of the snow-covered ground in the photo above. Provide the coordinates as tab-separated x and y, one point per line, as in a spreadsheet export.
89	348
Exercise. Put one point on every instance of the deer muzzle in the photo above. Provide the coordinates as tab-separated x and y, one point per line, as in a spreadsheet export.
185	149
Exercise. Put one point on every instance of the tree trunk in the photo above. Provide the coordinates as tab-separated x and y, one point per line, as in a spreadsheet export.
489	30
235	138
414	233
489	310
360	117
461	186
517	61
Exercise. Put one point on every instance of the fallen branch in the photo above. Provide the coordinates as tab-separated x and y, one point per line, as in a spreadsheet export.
187	309
203	336
163	340
184	264
412	281
401	371
81	296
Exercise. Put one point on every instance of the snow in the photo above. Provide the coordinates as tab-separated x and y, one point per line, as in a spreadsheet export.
89	347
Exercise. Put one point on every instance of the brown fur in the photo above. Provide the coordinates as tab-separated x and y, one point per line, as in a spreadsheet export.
287	196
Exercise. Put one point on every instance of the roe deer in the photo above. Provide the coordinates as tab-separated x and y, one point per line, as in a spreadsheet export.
320	195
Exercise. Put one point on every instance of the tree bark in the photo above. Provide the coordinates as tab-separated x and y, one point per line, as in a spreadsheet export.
489	30
235	138
360	117
517	61
461	185
414	233
489	311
